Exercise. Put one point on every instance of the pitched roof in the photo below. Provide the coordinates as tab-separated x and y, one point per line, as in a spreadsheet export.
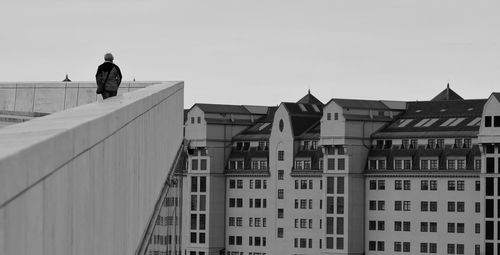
309	99
436	118
223	108
447	94
360	104
496	95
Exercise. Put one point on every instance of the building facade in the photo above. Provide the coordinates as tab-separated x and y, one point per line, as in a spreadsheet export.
346	177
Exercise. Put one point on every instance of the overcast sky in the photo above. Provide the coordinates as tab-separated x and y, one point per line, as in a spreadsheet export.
261	52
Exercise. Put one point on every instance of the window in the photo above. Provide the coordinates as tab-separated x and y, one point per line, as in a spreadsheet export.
433	185
328	116
398	184
460	185
460	227
340	185
203	164
398	226
194	184
451	227
280	232
280	193
433	164
397	205
232	184
194	164
330	185
424	164
406	226
406	246
239	184
280	213
424	206
451	248
433	227
496	121
424	185
477	164
281	174
281	155
451	206
380	246
406	184
460	206
451	164
331	164
433	206
192	120
341	164
330	204
424	227
431	143
477	228
398	164
478	207
373	184
406	206
336	116
451	185
397	246
460	164
372	245
487	121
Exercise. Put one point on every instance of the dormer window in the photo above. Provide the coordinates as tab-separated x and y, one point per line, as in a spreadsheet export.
262	145
388	144
246	146
380	144
440	143
431	143
458	143
314	145
405	144
413	143
239	146
306	145
467	143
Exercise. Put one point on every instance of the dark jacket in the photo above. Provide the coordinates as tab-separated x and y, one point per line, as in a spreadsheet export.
114	79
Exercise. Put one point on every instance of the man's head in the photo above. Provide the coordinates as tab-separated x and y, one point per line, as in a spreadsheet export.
108	57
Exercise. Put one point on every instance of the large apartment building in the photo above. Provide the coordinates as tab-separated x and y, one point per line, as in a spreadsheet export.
346	177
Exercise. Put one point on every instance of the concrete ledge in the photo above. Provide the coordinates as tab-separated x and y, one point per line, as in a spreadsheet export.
51	97
85	180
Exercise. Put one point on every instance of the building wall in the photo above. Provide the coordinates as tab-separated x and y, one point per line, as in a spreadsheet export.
415	215
49	97
85	180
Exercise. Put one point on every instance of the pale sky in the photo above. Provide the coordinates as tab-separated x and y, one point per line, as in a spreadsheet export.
261	52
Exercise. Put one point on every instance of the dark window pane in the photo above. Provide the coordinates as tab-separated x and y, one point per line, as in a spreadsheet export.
489	208
490	165
496	121
489	230
489	186
329	185
487	121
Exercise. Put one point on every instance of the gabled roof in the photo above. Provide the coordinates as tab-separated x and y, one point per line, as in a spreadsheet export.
447	94
222	108
360	104
496	95
436	118
309	99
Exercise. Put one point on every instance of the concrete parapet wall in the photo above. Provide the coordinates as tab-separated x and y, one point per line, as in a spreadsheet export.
85	180
51	97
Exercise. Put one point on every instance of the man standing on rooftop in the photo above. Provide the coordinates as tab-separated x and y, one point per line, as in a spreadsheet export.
108	77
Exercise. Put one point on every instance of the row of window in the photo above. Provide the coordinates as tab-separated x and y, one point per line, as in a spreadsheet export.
424	226
458	185
252	240
252	184
490	165
425	164
489	123
198	203
330	225
303	203
431	143
330	205
198	184
252	203
252	221
198	221
424	247
425	206
166	221
202	164
303	223
245	146
309	145
303	184
197	237
330	164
